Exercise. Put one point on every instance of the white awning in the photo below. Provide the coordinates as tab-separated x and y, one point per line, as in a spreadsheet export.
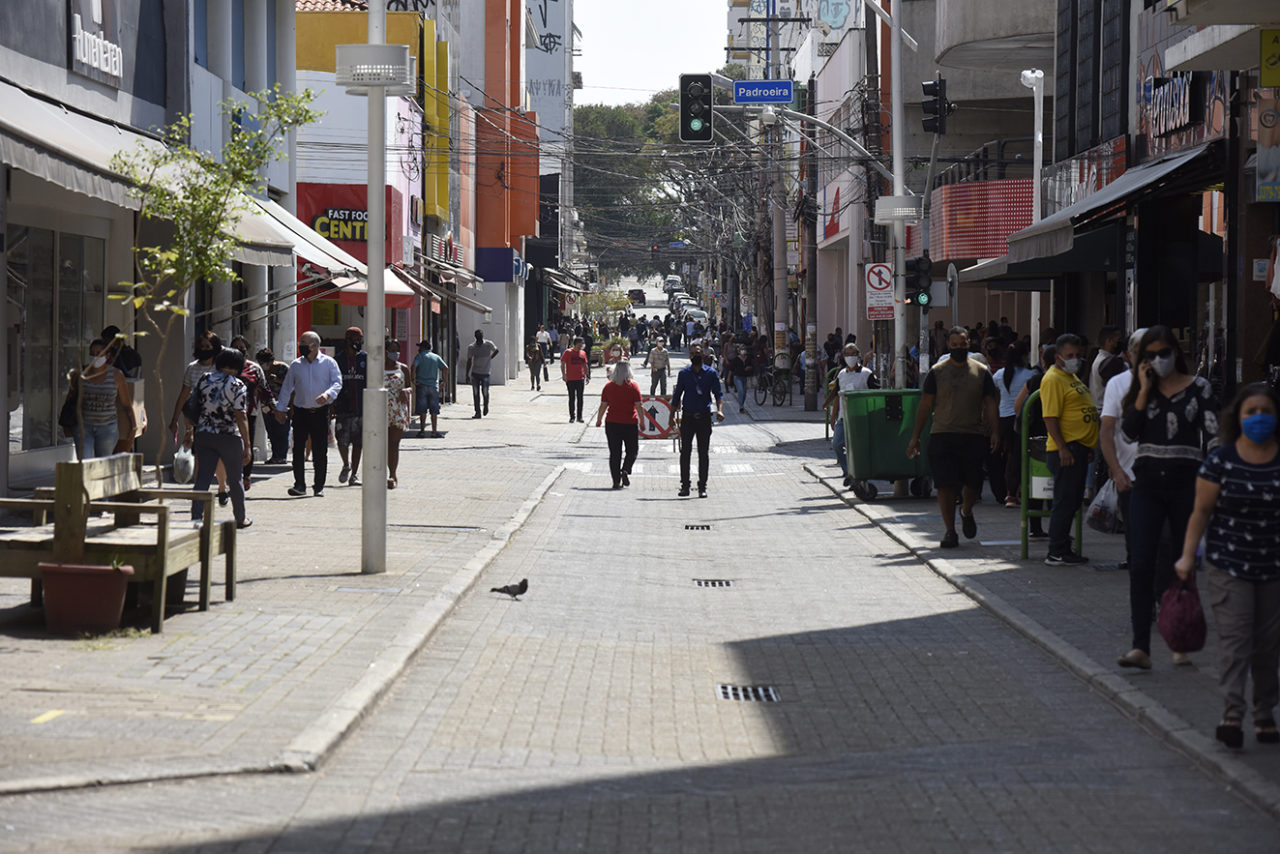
432	292
309	245
1053	235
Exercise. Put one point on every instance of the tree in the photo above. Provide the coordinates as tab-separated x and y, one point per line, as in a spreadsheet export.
200	196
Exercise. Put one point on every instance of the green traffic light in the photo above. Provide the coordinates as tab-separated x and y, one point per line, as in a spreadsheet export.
695	124
923	298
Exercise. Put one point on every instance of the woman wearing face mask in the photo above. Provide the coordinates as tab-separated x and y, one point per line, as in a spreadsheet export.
852	377
396	379
1172	415
207	347
1238	503
101	386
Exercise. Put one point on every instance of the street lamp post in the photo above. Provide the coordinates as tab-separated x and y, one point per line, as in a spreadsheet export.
377	70
1033	79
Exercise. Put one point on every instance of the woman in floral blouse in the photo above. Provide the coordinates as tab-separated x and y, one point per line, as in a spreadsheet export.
222	429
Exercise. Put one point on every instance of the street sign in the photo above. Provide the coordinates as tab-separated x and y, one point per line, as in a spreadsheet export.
763	91
881	303
677	244
657	424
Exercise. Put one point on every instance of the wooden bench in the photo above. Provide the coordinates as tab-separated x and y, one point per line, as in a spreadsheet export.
81	491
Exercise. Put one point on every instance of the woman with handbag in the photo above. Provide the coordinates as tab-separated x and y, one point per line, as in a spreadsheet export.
220	427
102	388
1237	503
1173	416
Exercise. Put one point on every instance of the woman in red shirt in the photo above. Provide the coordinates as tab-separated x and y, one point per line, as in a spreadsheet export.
621	399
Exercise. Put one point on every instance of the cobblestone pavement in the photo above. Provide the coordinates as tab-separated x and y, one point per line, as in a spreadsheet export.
587	716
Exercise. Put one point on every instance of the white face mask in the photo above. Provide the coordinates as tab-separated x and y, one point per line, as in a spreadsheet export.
1071	366
1164	365
851	361
98	362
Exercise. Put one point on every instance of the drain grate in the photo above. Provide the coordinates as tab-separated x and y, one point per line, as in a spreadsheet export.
713	582
697	527
751	693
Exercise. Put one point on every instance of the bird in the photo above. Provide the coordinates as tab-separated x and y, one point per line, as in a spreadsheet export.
515	591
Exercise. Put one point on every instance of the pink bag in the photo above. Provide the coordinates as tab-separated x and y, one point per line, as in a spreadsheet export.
1181	620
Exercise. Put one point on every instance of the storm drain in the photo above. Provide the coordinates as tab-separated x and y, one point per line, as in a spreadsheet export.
750	693
713	582
697	527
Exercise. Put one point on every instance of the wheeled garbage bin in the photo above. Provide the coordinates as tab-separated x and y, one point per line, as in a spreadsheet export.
877	426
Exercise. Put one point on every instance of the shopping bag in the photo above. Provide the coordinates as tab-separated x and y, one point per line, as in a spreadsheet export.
1104	510
184	465
1181	620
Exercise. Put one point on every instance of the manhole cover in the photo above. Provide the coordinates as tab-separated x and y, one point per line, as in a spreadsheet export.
697	527
751	693
713	582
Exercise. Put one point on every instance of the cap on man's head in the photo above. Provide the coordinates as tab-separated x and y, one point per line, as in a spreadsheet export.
424	344
356	329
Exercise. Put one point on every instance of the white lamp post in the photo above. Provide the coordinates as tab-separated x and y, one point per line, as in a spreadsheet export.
1033	79
376	70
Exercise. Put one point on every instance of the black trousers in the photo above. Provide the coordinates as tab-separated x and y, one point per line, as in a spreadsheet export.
278	434
575	397
695	425
310	424
620	436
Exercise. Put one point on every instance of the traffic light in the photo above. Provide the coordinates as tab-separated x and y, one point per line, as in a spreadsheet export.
695	108
936	106
919	282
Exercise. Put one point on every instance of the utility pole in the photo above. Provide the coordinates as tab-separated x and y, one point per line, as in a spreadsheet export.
899	189
779	211
811	257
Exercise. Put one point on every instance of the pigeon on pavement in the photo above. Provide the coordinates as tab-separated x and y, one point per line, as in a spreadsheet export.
515	591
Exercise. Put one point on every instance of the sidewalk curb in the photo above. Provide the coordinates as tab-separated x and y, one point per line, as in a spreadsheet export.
318	739
1149	713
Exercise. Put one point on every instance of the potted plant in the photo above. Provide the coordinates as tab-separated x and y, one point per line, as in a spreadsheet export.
83	598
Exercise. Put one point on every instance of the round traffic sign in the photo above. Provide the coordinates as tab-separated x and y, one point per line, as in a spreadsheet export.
879	277
658	420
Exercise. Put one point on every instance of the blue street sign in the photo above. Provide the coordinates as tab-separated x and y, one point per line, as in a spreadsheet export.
763	91
677	244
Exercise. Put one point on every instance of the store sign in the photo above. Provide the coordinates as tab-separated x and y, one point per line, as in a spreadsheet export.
342	224
1079	177
1170	108
1268	174
94	35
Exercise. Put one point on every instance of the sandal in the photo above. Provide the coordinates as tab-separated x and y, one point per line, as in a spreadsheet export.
1265	731
1230	733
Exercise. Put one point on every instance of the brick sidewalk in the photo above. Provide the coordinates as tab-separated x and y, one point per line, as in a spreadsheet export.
275	678
1080	614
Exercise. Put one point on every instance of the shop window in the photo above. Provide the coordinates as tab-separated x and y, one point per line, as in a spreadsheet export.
237	45
200	32
56	292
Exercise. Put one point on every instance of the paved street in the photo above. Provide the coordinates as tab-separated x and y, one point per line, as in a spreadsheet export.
588	716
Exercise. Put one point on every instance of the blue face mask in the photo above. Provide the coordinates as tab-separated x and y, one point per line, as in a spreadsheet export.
1260	427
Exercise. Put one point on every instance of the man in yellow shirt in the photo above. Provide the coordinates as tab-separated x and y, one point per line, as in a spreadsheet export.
1071	419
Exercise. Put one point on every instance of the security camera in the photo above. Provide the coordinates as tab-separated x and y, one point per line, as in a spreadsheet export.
768	117
824	28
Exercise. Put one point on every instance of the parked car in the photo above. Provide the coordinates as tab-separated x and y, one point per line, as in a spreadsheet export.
636	295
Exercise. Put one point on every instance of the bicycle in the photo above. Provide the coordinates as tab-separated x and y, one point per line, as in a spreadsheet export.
781	386
764	384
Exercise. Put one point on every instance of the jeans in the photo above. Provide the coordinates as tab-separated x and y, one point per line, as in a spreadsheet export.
278	435
209	448
740	383
97	440
310	424
1160	494
695	425
1247	616
1068	492
1012	455
657	378
575	397
837	445
620	436
480	388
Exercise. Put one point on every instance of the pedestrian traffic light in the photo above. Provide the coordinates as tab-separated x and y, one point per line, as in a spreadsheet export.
695	108
919	283
936	106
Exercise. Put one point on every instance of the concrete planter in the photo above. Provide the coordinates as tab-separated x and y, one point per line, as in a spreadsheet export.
83	598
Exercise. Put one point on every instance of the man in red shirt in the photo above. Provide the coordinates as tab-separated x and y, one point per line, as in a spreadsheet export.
621	399
575	370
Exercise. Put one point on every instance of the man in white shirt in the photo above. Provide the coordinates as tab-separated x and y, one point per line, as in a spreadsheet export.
1108	361
311	386
852	377
1118	451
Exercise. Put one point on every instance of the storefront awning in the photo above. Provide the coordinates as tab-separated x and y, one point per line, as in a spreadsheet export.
309	245
1092	251
429	291
562	281
449	272
353	291
1054	234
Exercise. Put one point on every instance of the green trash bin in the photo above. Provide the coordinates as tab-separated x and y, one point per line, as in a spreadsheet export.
877	427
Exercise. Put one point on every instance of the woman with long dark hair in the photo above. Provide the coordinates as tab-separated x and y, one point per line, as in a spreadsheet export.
1173	416
1238	504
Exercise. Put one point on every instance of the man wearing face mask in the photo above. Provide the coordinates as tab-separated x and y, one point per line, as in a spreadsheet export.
852	377
963	400
311	386
1071	419
696	385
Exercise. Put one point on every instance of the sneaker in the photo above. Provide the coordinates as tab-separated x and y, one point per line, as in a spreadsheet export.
297	491
224	498
474	417
1135	658
318	493
354	481
1065	559
580	421
626	479
344	474
1037	534
702	492
969	525
684	491
950	540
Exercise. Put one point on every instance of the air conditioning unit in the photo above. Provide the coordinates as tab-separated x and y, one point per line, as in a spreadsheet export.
361	67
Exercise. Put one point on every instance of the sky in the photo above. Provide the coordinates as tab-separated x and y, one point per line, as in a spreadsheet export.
630	50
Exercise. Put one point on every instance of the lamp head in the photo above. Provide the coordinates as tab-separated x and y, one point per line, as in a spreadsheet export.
1032	77
768	117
